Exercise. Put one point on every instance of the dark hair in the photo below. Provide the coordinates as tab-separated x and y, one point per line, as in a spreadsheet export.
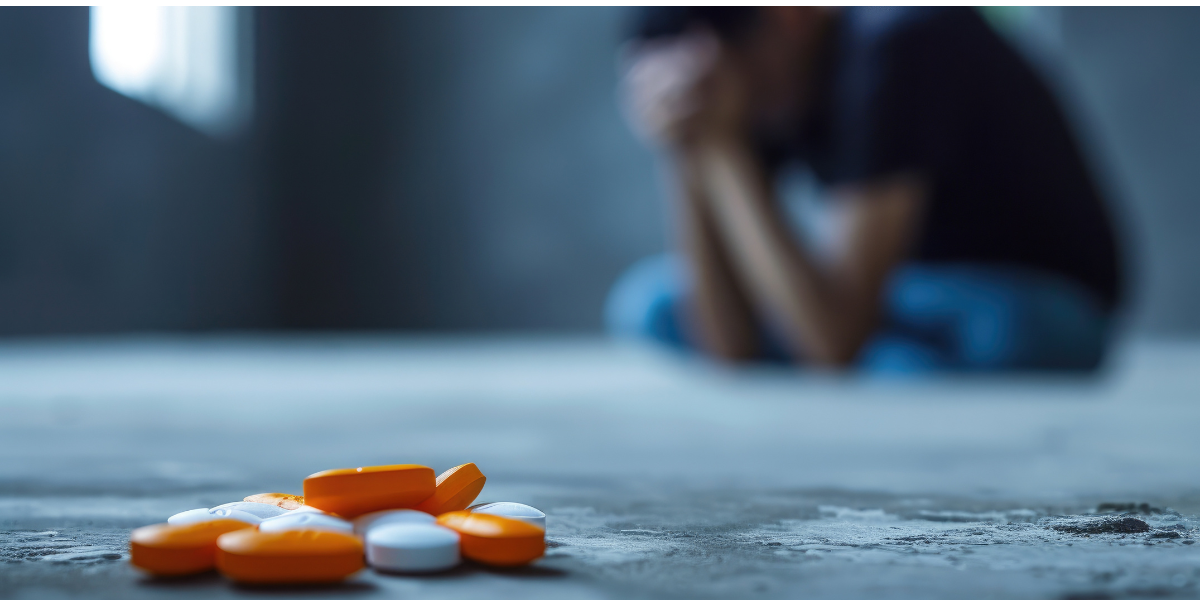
728	22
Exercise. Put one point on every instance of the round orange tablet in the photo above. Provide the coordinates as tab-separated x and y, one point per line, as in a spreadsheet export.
285	501
179	549
294	556
352	492
495	540
456	489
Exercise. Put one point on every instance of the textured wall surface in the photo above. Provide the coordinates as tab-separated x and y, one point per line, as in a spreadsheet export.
453	169
112	214
1136	85
502	188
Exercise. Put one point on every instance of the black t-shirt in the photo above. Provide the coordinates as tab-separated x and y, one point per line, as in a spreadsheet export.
936	91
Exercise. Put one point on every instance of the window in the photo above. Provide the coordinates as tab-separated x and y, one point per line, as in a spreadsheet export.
194	63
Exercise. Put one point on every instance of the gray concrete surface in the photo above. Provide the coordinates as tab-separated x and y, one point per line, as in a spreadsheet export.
661	477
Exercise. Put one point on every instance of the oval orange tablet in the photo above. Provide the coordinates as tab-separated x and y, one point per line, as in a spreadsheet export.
295	556
495	540
456	489
285	501
352	492
179	549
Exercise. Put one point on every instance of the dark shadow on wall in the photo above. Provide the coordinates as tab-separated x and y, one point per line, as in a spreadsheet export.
326	88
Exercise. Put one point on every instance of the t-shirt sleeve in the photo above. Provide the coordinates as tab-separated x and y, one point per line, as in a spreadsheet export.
901	103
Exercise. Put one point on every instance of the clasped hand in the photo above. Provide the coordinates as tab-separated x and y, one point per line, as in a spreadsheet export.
683	91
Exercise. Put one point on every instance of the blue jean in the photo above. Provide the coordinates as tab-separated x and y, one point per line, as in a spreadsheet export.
943	317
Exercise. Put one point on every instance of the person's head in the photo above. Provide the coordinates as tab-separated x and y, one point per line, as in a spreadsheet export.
770	46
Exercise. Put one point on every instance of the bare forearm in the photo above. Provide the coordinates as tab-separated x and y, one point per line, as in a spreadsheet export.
720	313
694	97
818	320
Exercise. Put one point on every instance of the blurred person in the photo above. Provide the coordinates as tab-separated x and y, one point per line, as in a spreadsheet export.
970	233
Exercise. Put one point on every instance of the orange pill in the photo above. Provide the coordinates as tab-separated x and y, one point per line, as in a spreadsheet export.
294	556
495	540
352	492
456	489
285	501
179	549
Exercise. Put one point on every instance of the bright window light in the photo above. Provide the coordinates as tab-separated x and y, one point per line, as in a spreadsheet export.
193	62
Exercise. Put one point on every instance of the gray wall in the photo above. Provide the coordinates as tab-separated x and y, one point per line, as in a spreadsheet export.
451	169
1136	77
519	189
112	215
423	168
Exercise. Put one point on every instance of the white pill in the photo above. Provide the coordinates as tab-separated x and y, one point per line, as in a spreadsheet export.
197	515
258	509
512	510
412	547
307	509
364	523
303	510
306	520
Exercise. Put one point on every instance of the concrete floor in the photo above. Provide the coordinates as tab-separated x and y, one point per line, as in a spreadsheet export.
661	477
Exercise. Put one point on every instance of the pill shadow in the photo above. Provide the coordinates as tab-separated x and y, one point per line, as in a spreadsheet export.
212	579
468	569
345	587
526	572
199	580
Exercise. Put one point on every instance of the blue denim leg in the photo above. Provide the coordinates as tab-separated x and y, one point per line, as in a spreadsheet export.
937	318
647	300
982	318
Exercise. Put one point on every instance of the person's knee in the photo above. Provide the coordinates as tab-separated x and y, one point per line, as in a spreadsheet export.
1077	329
991	319
645	301
1040	323
892	355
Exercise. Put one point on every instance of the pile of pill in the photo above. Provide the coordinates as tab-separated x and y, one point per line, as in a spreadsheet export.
395	518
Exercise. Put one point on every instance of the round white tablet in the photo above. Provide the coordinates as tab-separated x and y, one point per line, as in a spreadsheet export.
303	510
369	521
197	515
308	509
305	520
412	547
258	509
512	510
